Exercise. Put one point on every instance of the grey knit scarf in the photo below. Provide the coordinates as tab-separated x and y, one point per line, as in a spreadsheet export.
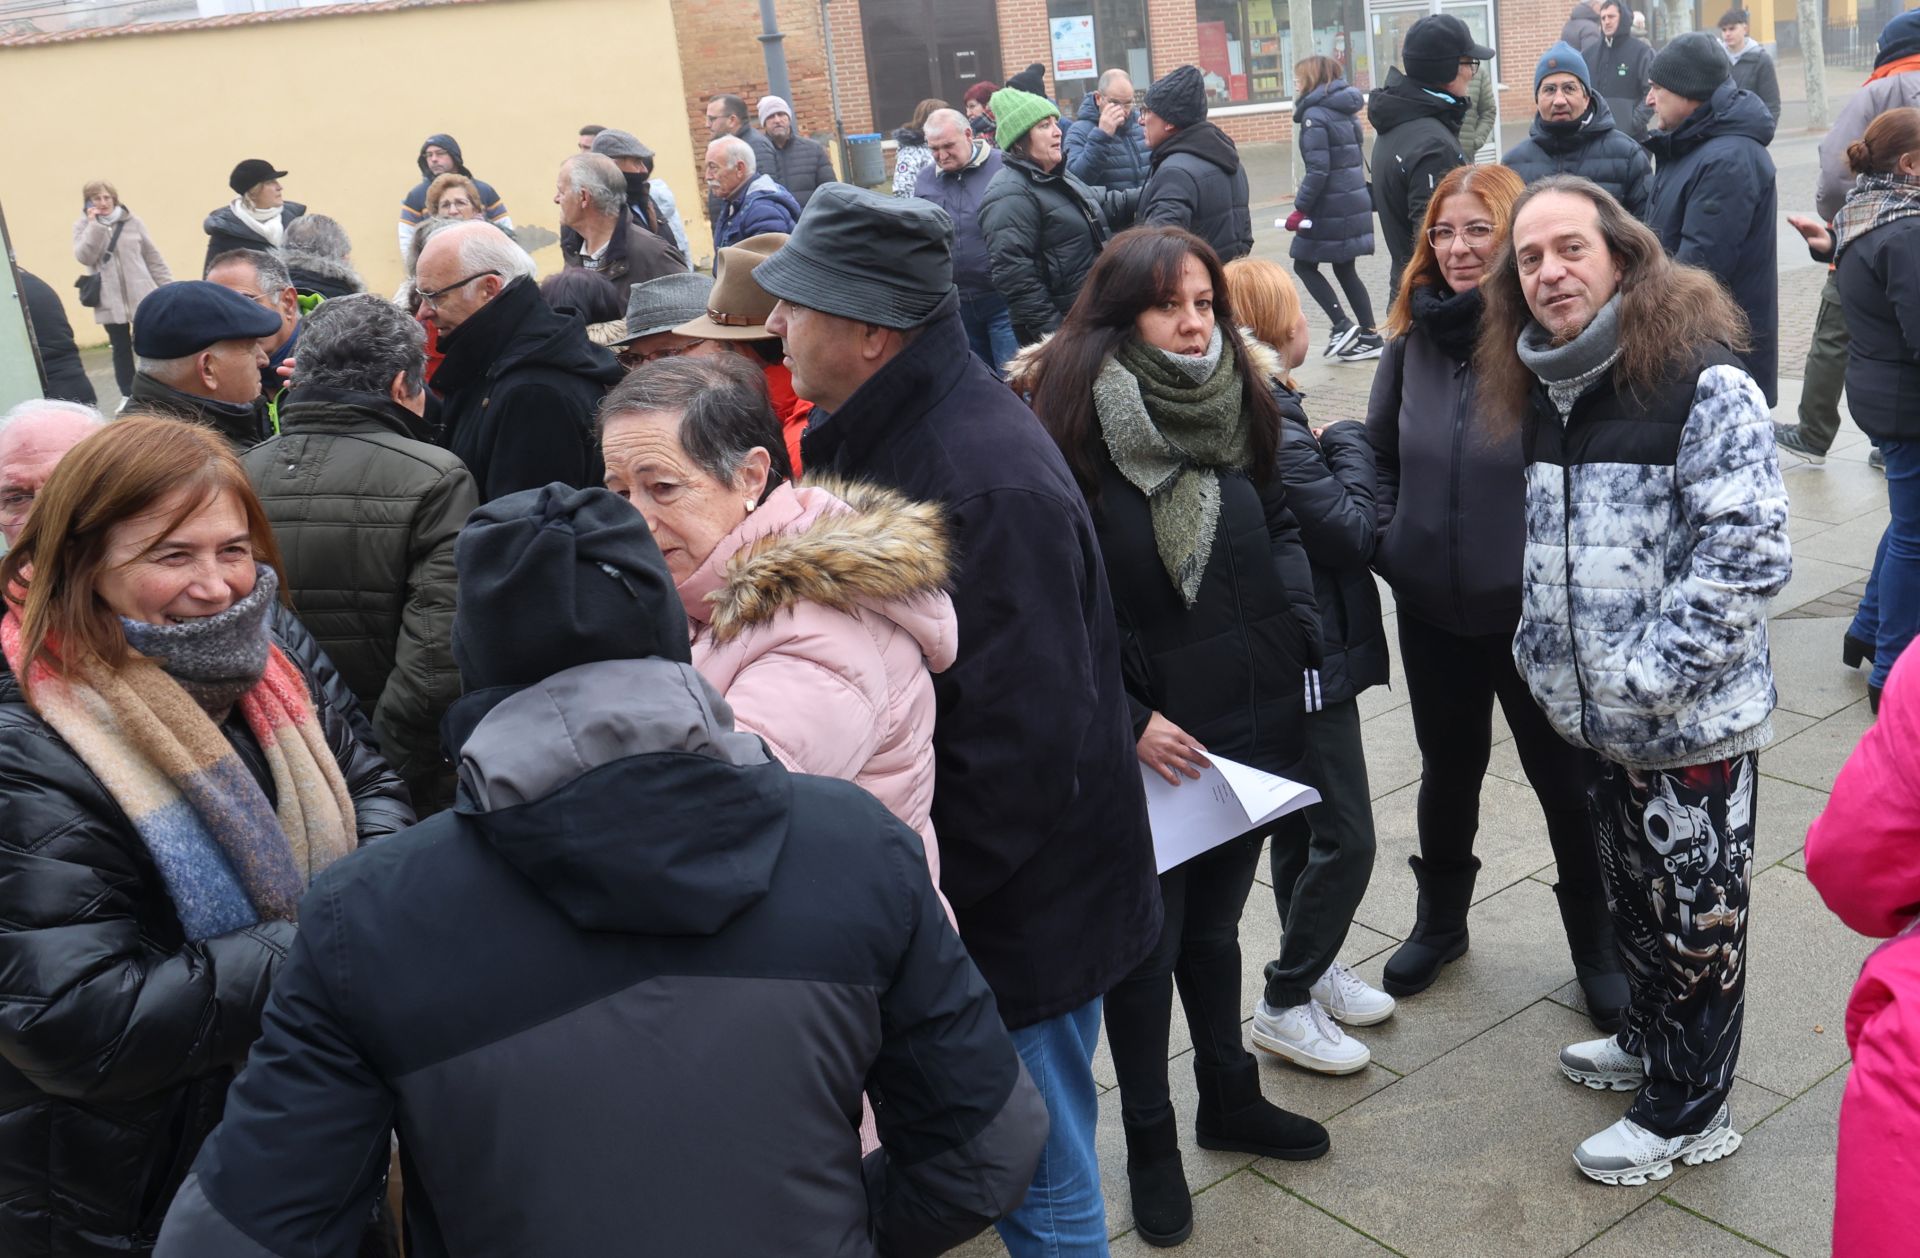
1569	370
1171	430
219	658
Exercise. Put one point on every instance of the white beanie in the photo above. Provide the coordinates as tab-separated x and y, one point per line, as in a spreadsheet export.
771	105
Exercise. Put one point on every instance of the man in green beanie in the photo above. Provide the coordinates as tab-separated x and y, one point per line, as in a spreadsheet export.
1044	228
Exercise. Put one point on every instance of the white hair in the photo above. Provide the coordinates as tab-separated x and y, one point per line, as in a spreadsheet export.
484	247
165	370
50	406
945	120
596	175
735	151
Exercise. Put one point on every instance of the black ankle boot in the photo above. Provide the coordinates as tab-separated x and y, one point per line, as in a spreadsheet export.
1439	928
1853	651
1596	961
1234	1116
1162	1208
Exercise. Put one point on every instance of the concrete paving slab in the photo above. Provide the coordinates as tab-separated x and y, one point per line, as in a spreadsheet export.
1850	543
1245	1215
1802	963
1782	1193
1658	1228
1786	810
1813	578
1807	672
1393	758
1836	491
1800	528
1813	756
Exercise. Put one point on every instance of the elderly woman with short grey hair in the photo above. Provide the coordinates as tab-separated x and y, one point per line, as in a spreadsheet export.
366	510
818	612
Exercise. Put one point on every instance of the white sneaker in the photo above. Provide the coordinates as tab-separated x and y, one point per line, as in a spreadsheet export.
1351	999
1628	1154
1603	1065
1306	1036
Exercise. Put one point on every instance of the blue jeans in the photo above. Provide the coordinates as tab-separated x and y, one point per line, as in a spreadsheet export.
1889	611
989	330
1064	1215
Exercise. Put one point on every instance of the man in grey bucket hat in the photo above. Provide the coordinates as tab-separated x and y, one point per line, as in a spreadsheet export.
1044	850
654	310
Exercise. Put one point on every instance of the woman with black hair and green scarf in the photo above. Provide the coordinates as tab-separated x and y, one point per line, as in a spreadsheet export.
1150	392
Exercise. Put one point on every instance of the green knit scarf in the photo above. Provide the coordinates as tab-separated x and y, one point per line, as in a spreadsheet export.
1171	436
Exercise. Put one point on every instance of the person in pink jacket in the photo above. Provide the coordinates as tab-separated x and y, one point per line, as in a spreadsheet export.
1863	854
816	613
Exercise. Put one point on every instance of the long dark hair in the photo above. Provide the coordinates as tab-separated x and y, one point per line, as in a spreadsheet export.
1135	270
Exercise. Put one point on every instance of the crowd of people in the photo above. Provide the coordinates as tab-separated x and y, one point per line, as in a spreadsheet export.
550	733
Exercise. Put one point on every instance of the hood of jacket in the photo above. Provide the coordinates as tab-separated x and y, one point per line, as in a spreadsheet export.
1402	101
843	545
910	137
310	408
1558	137
1730	111
1203	140
515	330
1751	48
765	185
1340	96
448	143
623	793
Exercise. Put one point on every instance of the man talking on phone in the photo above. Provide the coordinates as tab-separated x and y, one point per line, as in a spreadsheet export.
1106	147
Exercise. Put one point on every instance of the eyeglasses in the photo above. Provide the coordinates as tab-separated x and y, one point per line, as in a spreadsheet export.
432	299
1478	235
630	358
1570	89
1468	63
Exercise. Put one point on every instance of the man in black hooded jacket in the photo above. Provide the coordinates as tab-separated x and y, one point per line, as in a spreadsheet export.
1197	181
626	996
440	155
1417	116
1621	62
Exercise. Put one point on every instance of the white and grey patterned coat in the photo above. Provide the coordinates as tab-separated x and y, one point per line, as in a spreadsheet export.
1656	537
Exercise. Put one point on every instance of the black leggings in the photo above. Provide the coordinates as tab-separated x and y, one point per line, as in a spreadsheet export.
120	336
1349	276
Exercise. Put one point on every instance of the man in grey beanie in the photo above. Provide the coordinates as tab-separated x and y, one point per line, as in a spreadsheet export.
1713	186
1197	181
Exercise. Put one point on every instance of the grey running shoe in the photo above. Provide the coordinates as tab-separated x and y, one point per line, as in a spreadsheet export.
1628	1154
1877	461
1603	1064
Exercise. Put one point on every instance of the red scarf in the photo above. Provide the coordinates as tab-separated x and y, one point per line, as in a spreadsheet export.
1902	66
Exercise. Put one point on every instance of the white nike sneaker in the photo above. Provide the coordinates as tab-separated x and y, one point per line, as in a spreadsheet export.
1306	1036
1351	999
1603	1065
1628	1154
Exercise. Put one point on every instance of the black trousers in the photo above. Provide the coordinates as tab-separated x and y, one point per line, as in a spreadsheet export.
1350	283
1322	857
1452	683
1200	948
120	337
1677	848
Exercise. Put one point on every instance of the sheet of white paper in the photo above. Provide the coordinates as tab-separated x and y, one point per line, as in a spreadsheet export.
1226	801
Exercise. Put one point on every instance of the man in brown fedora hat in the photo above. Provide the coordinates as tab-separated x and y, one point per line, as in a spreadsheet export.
736	320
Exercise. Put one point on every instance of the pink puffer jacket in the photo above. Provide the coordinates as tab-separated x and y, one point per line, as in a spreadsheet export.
819	618
1863	854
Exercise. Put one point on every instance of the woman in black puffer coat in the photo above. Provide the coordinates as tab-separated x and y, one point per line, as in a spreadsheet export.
1044	228
1332	208
119	1028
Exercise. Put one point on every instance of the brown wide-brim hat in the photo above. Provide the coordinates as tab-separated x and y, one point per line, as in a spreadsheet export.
737	308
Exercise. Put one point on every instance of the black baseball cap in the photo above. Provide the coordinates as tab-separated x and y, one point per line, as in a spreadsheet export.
1436	45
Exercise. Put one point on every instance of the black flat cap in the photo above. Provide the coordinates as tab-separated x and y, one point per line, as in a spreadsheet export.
857	254
250	172
185	317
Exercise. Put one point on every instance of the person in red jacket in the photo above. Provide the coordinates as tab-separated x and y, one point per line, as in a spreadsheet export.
1863	855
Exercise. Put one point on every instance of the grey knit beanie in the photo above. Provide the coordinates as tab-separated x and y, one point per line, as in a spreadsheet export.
1691	66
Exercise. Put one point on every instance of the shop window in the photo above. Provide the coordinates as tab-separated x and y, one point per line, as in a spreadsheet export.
1119	43
1247	47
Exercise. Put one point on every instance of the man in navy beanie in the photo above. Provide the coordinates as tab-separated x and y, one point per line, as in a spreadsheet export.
1197	182
1575	133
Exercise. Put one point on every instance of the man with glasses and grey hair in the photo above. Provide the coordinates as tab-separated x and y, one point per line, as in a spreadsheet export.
596	229
519	383
366	511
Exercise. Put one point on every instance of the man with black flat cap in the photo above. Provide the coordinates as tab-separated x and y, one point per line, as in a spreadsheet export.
1045	854
198	357
1197	181
258	215
1417	116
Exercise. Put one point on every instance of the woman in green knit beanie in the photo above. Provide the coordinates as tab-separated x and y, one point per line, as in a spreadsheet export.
1162	410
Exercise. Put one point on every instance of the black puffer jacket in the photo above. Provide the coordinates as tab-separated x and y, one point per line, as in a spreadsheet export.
519	386
1879	278
225	231
1329	483
1198	184
1452	498
118	1037
801	167
1418	142
1332	197
1044	229
242	424
1620	68
1592	147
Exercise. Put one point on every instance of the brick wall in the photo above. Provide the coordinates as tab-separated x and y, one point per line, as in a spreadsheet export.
1023	39
719	54
1527	29
850	59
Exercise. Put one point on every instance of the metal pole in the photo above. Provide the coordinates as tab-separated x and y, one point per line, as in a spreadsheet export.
833	85
771	47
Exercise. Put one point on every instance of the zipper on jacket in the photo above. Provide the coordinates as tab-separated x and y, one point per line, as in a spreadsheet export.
1453	492
1566	560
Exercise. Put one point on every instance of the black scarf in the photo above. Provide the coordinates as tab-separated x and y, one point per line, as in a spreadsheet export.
1451	320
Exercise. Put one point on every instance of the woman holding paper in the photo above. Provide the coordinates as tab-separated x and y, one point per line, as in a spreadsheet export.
1451	504
1171	431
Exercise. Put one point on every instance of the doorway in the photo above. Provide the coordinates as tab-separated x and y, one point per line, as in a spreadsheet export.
922	48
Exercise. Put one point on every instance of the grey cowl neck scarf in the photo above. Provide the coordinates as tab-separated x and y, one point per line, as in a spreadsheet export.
219	658
1569	370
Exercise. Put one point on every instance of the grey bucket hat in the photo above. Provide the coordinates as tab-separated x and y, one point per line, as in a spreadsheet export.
860	255
663	304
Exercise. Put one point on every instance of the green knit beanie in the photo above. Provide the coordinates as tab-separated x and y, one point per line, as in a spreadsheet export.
1016	112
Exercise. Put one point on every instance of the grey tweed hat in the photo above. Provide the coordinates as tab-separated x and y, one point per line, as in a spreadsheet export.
663	304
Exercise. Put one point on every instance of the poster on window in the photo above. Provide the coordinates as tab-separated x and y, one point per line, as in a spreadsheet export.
1216	60
1073	47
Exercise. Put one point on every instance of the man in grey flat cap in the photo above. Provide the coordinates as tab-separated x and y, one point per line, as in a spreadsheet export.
649	200
1045	853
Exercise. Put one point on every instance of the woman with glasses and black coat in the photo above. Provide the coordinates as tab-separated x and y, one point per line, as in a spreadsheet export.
1451	504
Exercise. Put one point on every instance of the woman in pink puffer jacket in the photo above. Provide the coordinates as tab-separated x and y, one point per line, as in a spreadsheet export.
1863	854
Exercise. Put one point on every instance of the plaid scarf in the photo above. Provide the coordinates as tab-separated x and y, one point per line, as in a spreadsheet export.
1875	201
228	858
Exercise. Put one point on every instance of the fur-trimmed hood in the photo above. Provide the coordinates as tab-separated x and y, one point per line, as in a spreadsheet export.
318	273
1023	370
843	545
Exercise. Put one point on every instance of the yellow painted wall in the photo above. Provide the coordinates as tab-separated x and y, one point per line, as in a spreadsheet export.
340	103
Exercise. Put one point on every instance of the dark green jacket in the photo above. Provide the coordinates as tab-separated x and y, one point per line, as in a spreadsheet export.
366	512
